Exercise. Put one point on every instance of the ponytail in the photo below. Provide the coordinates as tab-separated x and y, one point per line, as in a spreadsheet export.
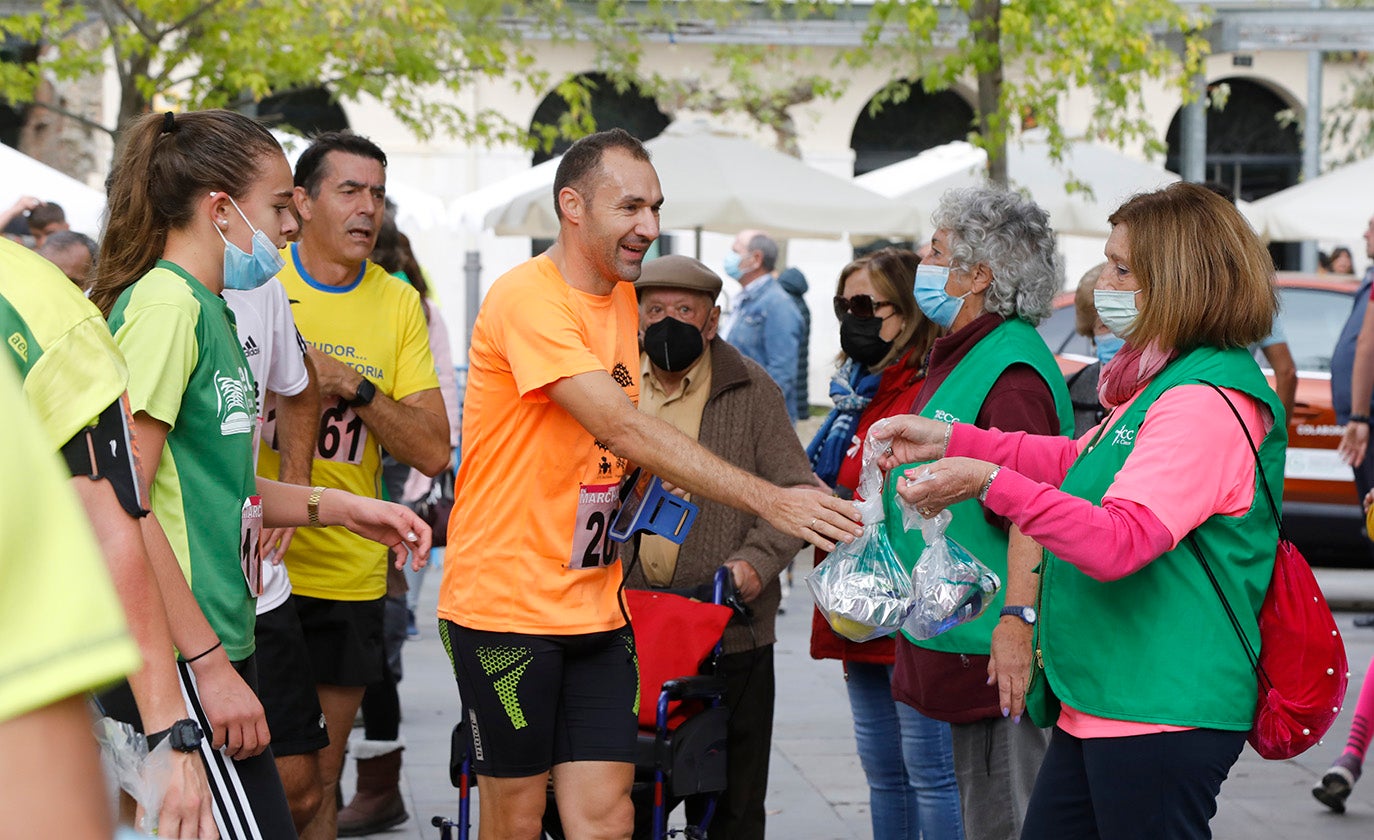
165	165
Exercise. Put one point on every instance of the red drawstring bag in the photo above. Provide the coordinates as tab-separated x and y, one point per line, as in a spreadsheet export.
1302	667
1301	664
673	637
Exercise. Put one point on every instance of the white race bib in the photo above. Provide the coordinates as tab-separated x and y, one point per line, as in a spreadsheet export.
250	556
592	547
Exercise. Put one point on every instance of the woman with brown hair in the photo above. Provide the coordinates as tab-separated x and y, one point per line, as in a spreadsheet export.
1137	664
884	339
199	202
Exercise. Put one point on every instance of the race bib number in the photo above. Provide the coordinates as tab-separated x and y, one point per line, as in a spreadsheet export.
250	556
591	545
343	435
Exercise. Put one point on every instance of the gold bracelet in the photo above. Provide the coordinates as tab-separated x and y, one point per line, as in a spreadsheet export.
312	506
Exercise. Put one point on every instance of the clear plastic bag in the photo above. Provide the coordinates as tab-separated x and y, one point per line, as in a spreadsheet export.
949	586
142	774
862	589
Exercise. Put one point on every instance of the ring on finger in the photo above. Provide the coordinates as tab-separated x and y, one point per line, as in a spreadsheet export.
812	524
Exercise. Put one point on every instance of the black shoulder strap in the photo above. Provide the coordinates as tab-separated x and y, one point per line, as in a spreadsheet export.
1250	652
1264	481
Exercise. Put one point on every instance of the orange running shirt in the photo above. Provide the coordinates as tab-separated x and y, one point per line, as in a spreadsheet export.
527	540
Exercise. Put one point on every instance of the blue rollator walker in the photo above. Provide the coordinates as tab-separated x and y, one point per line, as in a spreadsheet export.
681	752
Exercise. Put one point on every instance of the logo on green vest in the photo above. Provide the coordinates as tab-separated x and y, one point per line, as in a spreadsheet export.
1124	437
944	416
20	346
237	408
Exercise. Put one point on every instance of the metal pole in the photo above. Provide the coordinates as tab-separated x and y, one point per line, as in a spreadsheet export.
1193	133
472	276
1312	141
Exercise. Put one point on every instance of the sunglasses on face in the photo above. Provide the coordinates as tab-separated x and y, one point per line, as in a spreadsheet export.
861	306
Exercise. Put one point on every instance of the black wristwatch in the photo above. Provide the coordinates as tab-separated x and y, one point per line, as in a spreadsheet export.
1026	614
366	391
1359	418
184	736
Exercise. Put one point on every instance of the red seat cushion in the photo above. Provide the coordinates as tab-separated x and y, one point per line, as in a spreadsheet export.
673	636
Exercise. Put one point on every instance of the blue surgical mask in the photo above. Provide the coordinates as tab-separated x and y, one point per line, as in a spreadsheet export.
1107	347
938	305
1117	309
732	268
244	271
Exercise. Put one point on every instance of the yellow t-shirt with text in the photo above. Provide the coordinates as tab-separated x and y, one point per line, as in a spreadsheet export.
376	326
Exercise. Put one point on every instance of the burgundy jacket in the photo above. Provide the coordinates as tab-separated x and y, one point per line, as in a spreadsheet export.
953	686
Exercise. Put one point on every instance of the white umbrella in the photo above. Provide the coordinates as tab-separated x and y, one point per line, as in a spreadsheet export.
721	182
1111	176
1323	208
415	208
471	210
82	205
919	181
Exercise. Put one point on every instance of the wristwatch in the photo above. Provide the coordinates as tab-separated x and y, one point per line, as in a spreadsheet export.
1026	614
184	736
366	391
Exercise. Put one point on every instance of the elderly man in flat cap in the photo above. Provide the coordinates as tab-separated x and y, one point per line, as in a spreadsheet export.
728	403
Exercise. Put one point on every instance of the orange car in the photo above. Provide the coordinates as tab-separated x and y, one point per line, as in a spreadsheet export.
1320	505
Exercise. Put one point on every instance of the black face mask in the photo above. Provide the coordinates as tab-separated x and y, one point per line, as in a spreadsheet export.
859	340
673	345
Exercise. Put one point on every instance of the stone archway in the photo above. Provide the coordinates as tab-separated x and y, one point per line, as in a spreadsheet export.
307	111
611	108
900	130
1248	149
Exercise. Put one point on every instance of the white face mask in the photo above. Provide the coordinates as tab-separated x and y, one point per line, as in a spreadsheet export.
1117	310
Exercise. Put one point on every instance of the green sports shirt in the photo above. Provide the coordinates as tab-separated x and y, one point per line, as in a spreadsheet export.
186	369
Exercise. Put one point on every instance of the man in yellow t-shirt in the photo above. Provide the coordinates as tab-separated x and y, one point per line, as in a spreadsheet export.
529	606
369	346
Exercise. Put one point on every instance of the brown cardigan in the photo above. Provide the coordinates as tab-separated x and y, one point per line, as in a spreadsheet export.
745	423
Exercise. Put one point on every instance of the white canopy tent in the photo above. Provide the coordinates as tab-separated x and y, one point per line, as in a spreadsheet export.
720	182
24	175
1112	177
1328	207
471	210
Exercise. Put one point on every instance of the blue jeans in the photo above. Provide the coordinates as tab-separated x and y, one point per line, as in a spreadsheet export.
908	759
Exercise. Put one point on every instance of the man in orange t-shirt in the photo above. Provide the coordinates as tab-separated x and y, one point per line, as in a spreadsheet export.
529	607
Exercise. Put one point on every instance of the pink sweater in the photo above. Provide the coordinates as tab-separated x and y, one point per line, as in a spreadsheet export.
1145	511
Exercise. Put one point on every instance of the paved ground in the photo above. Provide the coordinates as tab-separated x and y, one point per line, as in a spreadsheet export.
816	790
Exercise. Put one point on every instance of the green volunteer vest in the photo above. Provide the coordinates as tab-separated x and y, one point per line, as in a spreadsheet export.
1156	646
959	399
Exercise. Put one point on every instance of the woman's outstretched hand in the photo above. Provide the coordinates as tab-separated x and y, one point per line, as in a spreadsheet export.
909	438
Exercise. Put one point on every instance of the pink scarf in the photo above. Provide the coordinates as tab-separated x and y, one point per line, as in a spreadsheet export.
1128	372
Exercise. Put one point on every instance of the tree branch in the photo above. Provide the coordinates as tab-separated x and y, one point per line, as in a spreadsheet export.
71	115
133	18
185	23
116	44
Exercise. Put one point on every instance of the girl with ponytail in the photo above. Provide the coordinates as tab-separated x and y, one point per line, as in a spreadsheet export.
199	203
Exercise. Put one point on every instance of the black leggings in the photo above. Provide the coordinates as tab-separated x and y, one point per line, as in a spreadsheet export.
1152	787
